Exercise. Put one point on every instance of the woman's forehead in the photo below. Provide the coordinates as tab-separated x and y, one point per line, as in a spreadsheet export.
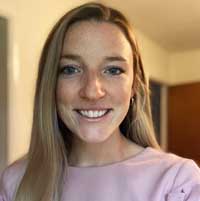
91	37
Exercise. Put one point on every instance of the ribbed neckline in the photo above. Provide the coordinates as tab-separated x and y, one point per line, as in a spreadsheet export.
110	165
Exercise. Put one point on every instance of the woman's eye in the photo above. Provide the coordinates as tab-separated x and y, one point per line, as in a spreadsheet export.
70	70
114	70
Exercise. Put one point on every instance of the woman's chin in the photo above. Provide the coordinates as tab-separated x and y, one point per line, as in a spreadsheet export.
93	135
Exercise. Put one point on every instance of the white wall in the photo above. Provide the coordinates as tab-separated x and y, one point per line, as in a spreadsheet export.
184	67
155	58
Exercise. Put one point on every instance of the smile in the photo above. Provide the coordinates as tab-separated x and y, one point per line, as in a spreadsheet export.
93	113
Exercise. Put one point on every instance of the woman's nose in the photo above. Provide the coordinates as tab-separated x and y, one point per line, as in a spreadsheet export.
92	88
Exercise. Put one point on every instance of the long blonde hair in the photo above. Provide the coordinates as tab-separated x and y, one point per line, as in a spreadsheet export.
50	138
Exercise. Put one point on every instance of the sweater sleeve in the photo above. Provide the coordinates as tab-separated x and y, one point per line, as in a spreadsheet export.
1	198
11	178
3	193
186	185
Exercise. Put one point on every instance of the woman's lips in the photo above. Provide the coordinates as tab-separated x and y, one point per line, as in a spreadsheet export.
93	114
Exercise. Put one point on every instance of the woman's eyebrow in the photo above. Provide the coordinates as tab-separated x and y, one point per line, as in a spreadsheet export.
115	58
107	58
71	57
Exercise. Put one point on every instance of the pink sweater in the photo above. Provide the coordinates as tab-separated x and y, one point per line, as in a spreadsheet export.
149	176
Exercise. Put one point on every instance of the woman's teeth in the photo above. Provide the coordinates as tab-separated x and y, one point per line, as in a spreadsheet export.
92	113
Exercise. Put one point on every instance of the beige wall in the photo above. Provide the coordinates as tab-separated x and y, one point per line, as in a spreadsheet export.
29	23
184	67
155	58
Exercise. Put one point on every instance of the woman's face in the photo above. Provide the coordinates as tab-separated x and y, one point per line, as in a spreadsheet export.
95	81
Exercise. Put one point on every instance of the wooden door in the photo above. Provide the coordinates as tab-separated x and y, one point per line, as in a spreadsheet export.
184	120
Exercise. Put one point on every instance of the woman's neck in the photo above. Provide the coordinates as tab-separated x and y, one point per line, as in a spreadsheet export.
114	149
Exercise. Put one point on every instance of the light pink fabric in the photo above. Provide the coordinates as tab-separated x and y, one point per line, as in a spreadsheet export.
150	176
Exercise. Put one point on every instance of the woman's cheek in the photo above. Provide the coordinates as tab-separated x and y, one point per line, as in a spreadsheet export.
65	90
122	89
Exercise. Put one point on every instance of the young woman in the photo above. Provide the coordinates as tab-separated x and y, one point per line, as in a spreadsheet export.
92	135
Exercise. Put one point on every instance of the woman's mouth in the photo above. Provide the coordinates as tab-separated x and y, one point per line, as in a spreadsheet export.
93	114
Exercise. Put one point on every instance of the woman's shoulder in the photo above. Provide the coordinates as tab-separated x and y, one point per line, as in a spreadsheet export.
167	158
183	169
181	176
11	176
159	161
15	169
